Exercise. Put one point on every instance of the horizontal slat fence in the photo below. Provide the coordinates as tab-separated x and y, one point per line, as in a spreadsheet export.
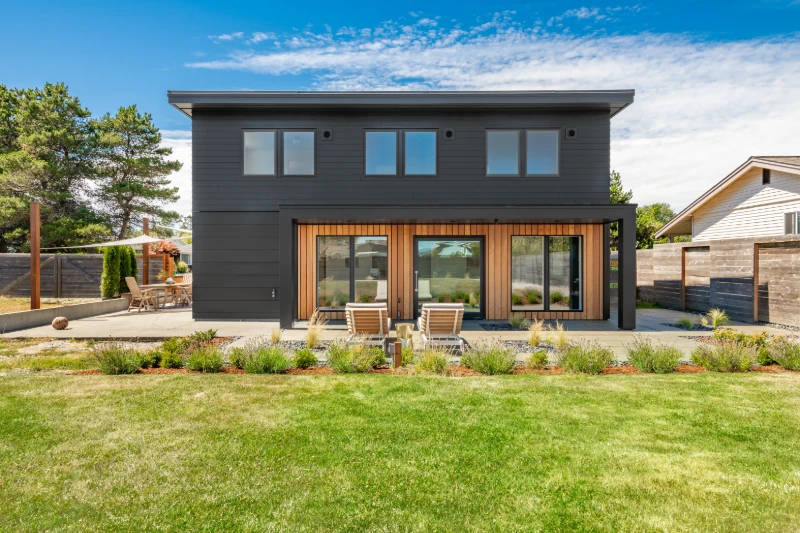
62	275
722	274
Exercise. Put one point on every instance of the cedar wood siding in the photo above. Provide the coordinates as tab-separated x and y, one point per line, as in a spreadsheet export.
747	208
236	217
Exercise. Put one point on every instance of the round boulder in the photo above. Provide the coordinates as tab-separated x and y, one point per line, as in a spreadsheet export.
60	322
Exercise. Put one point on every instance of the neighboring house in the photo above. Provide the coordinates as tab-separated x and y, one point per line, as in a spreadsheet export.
761	198
499	200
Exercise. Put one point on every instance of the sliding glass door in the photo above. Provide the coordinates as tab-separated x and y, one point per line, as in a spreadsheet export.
449	270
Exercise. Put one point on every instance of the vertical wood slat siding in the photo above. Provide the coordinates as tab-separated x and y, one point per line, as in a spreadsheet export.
497	265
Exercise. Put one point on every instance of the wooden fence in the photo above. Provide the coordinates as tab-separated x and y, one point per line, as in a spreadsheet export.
726	274
63	275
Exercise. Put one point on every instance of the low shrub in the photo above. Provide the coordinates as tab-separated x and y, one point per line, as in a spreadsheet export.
556	297
538	359
407	355
433	362
275	336
304	358
725	357
786	352
758	341
346	359
684	322
585	358
658	359
207	360
174	345
236	358
201	338
150	359
172	360
115	359
265	360
648	304
489	357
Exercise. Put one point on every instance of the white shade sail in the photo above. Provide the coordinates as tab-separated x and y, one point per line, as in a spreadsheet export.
141	239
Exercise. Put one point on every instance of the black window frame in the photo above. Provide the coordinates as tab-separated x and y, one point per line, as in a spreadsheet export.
352	265
546	281
397	158
520	151
275	131
524	156
283	132
403	132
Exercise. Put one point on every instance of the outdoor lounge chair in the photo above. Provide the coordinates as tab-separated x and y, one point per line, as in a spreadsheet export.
368	323
147	299
440	325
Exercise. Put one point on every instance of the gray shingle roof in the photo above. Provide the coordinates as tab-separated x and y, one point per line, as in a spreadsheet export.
793	160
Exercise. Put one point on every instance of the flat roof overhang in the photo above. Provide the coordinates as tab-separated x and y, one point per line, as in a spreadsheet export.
612	101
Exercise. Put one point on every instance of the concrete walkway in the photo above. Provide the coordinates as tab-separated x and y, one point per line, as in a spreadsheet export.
653	323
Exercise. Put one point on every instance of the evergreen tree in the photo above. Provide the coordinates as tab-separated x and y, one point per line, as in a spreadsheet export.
133	170
617	195
109	282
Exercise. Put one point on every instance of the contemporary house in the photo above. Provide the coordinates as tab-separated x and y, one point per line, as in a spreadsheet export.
497	200
745	251
761	198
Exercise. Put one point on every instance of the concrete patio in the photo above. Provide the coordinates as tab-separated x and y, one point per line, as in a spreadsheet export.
652	323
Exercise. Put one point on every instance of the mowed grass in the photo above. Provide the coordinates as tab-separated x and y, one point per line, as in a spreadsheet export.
12	356
704	452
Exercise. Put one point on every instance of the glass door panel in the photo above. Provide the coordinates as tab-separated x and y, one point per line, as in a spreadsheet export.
449	270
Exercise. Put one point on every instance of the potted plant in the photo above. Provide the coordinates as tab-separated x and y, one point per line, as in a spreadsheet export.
181	268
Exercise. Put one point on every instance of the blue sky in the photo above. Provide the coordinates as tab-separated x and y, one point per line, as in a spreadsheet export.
716	81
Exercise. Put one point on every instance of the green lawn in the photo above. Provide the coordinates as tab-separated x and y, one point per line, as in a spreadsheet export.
704	452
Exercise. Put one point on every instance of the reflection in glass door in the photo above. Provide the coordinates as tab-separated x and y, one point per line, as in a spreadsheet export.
449	270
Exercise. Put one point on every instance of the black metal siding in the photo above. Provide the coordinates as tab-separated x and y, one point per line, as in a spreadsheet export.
235	217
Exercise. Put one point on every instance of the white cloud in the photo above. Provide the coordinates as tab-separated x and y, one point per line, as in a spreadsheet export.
227	37
181	143
701	107
260	36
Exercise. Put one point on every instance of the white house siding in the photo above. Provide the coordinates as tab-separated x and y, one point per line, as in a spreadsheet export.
746	208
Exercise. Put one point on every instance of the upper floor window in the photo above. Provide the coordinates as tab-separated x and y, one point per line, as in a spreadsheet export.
766	176
381	153
541	152
502	153
792	223
259	153
298	153
420	153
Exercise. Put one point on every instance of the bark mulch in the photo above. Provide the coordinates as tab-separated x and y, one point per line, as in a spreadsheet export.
773	369
314	370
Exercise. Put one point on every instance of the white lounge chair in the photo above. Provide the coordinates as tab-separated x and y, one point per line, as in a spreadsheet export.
440	325
368	323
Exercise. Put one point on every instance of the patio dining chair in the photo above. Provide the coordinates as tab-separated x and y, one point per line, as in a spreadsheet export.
147	298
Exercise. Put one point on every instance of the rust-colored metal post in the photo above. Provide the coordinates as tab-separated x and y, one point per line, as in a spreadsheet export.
397	360
36	269
146	253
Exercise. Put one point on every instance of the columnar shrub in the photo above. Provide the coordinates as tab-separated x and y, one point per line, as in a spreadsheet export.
785	352
489	357
207	359
725	357
109	281
433	362
585	357
658	359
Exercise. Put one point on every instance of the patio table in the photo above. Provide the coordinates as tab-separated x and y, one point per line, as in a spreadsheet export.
172	287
